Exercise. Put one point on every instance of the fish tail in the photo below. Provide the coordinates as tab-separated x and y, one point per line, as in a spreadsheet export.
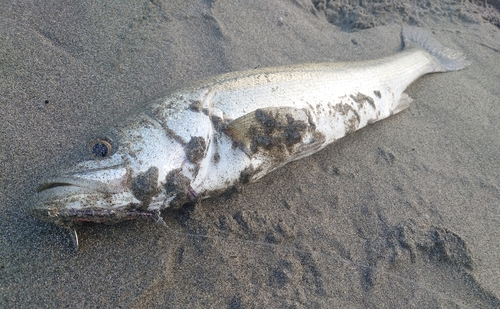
445	59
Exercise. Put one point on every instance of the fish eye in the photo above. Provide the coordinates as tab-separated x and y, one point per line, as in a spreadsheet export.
102	148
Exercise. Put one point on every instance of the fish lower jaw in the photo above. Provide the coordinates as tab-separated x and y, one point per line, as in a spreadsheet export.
100	204
67	204
125	207
78	198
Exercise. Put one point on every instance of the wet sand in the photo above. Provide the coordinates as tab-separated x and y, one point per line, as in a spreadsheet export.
404	213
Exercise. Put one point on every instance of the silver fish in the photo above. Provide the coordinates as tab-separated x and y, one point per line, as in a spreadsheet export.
232	129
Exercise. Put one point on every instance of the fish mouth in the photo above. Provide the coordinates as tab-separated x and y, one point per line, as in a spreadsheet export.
57	196
66	200
47	186
57	183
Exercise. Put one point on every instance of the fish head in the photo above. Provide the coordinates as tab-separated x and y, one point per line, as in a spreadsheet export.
122	177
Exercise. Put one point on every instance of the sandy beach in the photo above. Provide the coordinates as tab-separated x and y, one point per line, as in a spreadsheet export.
404	213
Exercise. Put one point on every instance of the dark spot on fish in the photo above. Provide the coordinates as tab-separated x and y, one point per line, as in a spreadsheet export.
205	111
294	131
195	149
144	186
260	140
362	98
344	109
310	120
219	123
195	106
171	133
351	124
246	175
378	94
46	101
179	186
267	120
262	135
216	158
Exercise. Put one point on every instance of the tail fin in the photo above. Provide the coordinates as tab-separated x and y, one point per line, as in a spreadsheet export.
447	59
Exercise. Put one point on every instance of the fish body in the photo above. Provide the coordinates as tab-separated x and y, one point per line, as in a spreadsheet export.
232	129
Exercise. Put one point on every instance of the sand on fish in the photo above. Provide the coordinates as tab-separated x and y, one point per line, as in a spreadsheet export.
403	213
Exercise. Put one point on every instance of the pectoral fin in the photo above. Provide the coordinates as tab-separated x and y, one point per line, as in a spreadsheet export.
279	131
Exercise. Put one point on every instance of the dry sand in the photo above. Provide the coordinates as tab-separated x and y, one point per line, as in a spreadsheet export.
403	214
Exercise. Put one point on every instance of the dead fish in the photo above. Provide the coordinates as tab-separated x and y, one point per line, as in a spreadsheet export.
232	129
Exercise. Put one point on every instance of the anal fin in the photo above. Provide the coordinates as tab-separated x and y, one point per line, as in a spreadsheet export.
402	104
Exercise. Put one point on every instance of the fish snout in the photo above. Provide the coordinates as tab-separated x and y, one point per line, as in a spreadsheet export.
40	212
